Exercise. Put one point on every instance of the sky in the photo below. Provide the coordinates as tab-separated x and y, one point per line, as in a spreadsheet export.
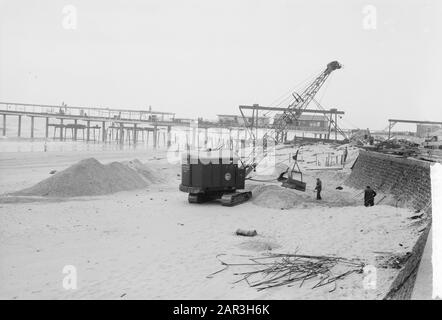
200	58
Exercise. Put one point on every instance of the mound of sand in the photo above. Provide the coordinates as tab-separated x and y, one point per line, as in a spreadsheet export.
275	197
90	177
147	173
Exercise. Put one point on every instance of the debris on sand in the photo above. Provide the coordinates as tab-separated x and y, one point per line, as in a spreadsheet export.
90	177
393	261
246	233
280	269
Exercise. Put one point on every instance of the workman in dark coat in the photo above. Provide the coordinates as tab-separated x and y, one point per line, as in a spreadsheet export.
369	195
318	189
345	154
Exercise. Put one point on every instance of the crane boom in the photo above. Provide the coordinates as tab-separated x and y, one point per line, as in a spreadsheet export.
300	102
293	111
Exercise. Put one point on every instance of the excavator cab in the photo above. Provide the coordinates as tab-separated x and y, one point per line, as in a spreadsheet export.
290	181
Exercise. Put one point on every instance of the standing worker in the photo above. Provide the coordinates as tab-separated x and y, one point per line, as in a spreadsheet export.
345	154
369	195
318	189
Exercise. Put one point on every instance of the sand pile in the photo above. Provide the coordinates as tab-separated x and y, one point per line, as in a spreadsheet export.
275	197
147	173
90	177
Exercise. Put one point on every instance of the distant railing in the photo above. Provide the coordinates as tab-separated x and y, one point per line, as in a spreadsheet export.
136	115
108	113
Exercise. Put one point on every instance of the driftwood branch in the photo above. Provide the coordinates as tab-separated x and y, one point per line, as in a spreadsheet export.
278	269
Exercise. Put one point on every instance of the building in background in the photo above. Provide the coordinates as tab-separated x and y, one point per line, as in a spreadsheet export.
230	119
425	130
308	122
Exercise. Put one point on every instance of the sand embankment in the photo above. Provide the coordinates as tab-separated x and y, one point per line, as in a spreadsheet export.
89	177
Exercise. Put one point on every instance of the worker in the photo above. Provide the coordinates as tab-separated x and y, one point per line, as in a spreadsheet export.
369	195
345	154
318	189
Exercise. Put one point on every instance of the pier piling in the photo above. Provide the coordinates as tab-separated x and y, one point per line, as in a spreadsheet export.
103	134
32	127
88	130
4	125
47	128
19	127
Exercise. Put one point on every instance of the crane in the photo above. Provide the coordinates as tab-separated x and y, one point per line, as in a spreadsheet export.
291	114
301	101
211	177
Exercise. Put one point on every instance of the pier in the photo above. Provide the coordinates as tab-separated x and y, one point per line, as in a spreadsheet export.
64	122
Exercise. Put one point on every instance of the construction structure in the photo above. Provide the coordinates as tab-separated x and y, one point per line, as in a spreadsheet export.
296	104
420	128
320	123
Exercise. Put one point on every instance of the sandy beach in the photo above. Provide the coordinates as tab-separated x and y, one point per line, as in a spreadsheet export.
150	243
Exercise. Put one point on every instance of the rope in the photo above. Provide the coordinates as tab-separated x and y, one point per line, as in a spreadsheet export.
350	123
259	180
309	93
287	95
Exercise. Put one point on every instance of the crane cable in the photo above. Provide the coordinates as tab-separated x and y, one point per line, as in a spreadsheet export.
273	130
320	101
287	95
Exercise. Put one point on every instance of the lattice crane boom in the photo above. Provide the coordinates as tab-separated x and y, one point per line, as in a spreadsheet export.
292	113
300	102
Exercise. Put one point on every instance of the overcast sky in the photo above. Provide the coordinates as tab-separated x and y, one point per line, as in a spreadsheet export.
202	57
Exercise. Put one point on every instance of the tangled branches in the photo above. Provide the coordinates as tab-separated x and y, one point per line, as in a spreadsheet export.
274	270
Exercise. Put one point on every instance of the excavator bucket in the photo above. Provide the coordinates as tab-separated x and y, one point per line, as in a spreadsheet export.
294	184
290	182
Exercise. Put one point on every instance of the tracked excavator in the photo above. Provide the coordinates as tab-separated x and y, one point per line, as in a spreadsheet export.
208	176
